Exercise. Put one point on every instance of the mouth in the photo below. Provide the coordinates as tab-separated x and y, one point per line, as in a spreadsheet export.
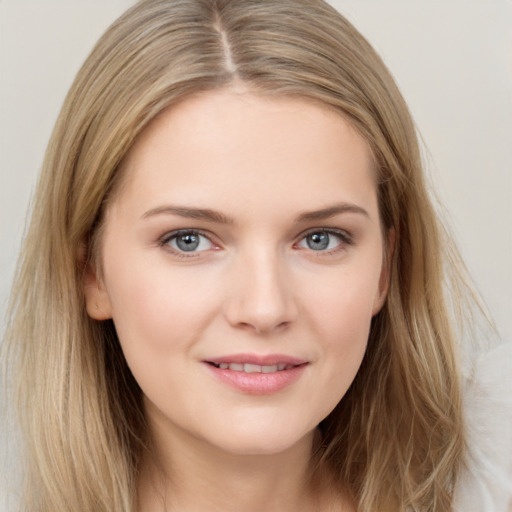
257	375
253	363
253	368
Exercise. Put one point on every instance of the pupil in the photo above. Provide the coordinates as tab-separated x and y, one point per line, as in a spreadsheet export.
188	242
318	241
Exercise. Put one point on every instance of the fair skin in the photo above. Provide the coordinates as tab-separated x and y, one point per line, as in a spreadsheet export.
246	231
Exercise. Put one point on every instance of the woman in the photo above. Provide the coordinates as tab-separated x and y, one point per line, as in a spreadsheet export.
231	291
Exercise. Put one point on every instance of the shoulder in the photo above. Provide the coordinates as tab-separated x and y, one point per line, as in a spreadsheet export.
485	483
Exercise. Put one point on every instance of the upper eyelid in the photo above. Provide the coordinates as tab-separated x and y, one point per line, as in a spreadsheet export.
169	235
336	231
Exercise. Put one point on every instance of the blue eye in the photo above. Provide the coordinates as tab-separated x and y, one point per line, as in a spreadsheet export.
323	240
188	241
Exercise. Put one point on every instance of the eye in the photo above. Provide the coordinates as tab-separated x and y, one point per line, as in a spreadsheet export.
324	240
187	241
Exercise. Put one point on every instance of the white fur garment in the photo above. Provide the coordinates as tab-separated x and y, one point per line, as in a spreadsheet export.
486	483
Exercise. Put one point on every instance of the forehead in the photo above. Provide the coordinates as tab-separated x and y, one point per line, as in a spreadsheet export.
232	145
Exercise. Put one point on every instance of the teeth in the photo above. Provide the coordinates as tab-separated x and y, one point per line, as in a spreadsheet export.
254	368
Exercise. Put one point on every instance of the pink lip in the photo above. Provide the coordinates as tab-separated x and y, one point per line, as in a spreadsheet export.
257	383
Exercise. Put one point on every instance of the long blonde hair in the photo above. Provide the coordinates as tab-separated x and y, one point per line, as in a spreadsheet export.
396	439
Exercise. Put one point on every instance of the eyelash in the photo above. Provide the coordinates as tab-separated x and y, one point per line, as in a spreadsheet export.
168	237
345	238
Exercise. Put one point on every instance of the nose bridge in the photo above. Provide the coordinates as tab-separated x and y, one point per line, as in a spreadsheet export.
261	297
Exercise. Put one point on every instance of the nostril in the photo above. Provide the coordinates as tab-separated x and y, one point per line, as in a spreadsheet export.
263	327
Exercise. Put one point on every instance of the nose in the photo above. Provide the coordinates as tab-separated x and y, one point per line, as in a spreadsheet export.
260	294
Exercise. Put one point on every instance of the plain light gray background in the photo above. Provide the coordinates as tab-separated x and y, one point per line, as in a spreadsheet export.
451	58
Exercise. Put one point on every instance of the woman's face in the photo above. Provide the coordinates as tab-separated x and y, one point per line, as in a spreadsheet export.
242	262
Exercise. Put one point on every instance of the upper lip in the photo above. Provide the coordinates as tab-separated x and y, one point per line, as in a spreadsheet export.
261	360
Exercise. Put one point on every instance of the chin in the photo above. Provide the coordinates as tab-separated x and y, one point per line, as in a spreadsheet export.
262	441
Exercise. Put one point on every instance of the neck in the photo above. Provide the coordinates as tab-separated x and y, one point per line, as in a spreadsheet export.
190	475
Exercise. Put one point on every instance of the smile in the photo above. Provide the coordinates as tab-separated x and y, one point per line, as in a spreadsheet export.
257	375
254	368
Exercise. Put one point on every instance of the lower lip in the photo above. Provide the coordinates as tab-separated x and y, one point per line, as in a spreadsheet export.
258	383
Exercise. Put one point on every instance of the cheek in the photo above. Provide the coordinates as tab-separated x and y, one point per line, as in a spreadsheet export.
342	302
344	325
341	313
156	312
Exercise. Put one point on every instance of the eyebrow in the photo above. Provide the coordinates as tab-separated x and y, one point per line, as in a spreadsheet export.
190	213
331	211
209	215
